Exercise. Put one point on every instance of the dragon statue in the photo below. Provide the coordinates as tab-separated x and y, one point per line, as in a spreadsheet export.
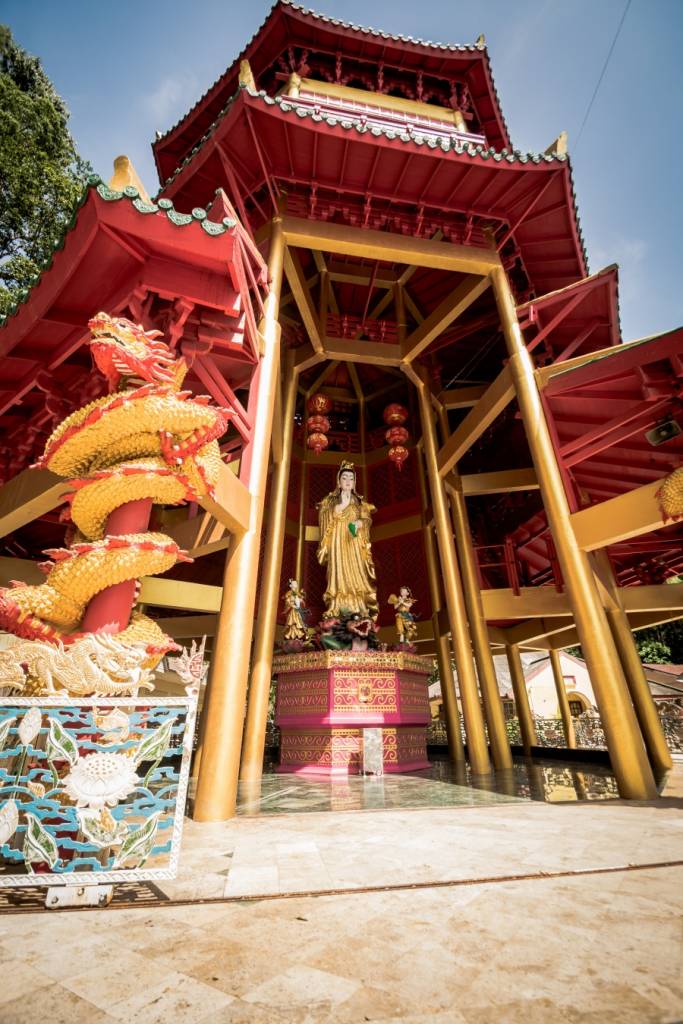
145	440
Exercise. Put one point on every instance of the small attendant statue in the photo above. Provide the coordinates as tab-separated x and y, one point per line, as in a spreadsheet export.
345	519
405	620
295	606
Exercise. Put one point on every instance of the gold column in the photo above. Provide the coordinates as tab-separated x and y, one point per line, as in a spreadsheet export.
219	769
624	742
455	602
486	670
443	648
563	703
645	708
646	711
524	716
262	662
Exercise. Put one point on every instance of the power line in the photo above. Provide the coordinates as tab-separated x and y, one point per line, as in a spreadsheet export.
602	74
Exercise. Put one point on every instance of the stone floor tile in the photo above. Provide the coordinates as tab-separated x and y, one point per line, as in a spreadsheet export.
174	997
19	978
52	1004
302	986
116	978
251	881
240	1012
527	1011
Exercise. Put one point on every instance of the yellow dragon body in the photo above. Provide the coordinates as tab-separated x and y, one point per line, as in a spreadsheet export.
145	440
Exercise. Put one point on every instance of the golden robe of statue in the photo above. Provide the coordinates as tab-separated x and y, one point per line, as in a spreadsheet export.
345	520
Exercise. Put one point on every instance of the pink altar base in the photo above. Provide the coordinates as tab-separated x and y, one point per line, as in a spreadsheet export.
326	698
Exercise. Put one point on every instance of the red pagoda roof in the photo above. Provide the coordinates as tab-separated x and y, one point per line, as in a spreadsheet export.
330	168
127	256
289	26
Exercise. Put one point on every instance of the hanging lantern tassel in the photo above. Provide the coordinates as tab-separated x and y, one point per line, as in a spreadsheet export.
317	423
398	455
320	404
317	442
395	415
396	436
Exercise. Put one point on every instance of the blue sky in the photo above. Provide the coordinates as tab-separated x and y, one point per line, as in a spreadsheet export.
130	68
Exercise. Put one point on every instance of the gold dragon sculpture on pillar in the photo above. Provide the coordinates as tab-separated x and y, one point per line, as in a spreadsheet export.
146	442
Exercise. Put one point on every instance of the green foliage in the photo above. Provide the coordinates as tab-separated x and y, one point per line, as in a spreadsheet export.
660	645
652	651
41	174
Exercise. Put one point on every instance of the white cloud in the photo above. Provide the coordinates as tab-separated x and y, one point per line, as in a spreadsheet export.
172	97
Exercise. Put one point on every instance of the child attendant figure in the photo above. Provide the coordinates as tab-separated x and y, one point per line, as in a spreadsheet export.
405	620
295	605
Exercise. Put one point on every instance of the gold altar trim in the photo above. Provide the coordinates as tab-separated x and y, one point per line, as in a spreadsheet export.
369	660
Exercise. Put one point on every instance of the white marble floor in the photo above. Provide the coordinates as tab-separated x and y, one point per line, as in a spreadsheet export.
463	945
307	853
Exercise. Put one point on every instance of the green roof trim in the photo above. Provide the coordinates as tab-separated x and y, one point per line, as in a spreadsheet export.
288	105
109	195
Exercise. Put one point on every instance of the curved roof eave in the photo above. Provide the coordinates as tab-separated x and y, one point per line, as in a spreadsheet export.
95	185
347	28
445	146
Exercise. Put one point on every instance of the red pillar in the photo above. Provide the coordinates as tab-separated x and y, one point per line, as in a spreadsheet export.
109	611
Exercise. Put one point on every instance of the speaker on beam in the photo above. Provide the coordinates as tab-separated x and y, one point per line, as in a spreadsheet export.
664	431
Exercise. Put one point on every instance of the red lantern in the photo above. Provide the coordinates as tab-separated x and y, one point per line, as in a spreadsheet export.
320	403
398	455
395	414
317	441
396	435
318	423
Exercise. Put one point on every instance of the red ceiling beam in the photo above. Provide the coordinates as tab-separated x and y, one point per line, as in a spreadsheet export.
525	215
580	338
612	432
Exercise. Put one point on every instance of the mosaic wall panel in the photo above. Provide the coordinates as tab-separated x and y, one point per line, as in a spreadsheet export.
92	791
329	748
414	695
305	694
404	746
360	692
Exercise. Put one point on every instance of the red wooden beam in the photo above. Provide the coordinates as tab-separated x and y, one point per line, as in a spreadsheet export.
612	432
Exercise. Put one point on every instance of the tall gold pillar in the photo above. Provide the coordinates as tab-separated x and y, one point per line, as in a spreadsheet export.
562	701
262	662
645	708
486	670
219	769
524	716
455	602
443	648
627	752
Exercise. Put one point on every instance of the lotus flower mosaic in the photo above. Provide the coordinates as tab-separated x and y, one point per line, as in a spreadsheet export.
99	779
89	789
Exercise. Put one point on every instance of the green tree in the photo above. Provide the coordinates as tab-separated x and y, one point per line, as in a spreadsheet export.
652	651
659	645
41	174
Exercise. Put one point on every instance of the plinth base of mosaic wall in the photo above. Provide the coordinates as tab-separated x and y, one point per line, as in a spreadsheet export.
92	791
326	699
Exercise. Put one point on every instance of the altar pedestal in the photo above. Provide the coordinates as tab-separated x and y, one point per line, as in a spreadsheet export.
325	699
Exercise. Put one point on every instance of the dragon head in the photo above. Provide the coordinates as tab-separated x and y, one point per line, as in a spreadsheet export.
122	349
